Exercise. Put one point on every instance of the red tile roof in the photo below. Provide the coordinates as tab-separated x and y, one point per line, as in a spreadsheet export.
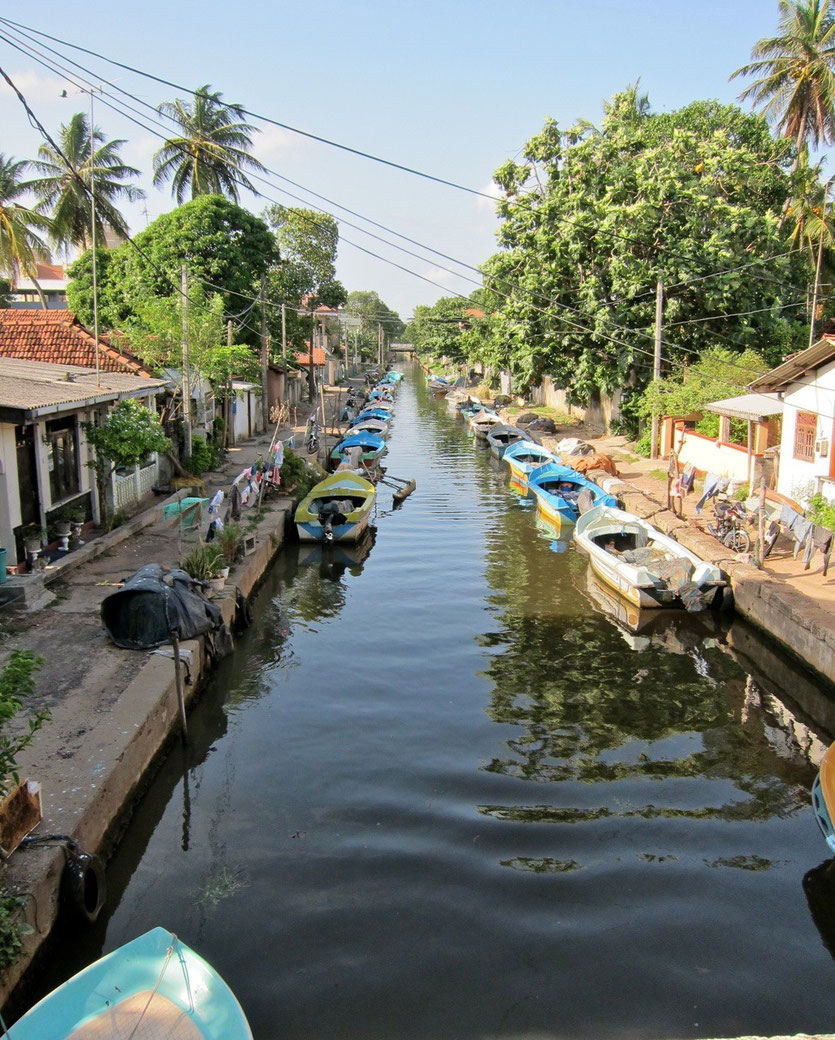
319	357
59	338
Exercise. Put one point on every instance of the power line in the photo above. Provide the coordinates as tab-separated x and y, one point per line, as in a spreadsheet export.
359	152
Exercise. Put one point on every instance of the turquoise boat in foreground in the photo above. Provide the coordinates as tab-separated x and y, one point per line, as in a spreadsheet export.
557	489
154	986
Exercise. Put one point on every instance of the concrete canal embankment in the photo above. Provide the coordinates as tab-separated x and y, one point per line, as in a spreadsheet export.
112	711
801	626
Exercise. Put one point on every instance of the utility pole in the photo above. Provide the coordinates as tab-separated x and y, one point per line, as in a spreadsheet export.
379	345
184	343
265	352
311	377
93	237
284	338
818	270
228	431
656	363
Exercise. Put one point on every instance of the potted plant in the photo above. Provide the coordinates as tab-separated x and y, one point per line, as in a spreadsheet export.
230	539
205	563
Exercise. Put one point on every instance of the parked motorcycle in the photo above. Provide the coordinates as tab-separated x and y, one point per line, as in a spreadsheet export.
729	525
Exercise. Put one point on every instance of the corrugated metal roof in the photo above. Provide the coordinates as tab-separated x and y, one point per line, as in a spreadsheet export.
796	367
756	407
28	386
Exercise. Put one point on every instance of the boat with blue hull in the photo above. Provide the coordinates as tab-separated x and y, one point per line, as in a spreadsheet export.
501	436
154	986
557	489
823	797
363	449
523	457
378	426
337	509
384	414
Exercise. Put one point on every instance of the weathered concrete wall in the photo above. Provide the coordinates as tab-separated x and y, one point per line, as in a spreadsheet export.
112	760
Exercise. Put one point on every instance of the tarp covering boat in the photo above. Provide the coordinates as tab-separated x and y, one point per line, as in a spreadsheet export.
152	603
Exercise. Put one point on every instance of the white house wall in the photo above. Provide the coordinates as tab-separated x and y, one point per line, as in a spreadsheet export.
9	496
815	392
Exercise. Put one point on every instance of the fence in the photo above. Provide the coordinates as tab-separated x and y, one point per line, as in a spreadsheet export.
129	487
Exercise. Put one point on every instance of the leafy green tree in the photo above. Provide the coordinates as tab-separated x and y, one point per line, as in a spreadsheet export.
450	328
592	219
5	292
211	152
127	436
373	313
64	188
719	373
155	335
113	307
21	228
795	70
225	249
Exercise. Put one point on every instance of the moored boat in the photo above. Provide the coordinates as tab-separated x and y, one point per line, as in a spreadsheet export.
557	489
501	436
646	567
384	414
482	422
524	456
337	509
823	797
378	426
154	986
362	449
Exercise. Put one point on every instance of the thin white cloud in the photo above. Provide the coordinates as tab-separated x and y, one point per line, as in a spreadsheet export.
274	145
488	205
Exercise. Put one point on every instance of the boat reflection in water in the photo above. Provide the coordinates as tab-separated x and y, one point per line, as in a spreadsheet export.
554	534
819	887
640	629
335	559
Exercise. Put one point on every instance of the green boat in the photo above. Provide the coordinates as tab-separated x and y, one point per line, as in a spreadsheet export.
151	987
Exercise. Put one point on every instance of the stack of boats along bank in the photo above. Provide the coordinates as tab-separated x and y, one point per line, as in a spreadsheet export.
633	558
339	507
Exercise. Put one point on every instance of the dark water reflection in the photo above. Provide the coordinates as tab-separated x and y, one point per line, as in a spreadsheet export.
440	793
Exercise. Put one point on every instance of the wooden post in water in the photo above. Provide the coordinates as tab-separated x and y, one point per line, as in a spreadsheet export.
178	679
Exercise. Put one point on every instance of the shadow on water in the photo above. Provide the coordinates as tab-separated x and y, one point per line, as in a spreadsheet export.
445	788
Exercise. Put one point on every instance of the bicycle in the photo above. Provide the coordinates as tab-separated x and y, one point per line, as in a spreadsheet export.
729	526
311	435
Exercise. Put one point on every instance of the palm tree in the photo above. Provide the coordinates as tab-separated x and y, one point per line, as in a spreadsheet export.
795	85
65	187
212	152
21	245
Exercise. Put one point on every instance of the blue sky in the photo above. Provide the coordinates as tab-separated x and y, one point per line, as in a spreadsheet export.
451	88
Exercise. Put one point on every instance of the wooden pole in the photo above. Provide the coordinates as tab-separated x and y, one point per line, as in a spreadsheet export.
265	350
185	381
178	679
656	363
227	410
761	535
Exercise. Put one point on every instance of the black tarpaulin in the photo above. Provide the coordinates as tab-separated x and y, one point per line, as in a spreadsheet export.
152	603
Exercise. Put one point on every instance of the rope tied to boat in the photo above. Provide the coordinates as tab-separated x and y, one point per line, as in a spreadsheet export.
169	953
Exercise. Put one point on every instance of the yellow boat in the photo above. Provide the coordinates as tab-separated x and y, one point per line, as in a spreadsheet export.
823	796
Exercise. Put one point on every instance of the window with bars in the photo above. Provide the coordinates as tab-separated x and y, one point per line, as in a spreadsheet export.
62	458
805	429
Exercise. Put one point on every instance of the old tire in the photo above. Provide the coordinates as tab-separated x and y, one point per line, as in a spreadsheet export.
84	885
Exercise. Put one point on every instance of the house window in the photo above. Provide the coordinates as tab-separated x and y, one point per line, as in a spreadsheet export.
62	458
806	426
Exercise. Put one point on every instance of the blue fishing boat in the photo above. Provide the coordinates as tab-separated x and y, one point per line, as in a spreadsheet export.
364	448
154	986
557	489
501	436
524	456
823	797
386	414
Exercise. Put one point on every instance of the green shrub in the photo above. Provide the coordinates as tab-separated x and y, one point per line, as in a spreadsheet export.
643	446
230	540
204	456
821	512
11	930
297	477
17	682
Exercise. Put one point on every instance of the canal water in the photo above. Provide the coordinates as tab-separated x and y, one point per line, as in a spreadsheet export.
439	793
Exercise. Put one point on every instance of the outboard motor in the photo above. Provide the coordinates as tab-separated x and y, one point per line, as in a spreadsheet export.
330	516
